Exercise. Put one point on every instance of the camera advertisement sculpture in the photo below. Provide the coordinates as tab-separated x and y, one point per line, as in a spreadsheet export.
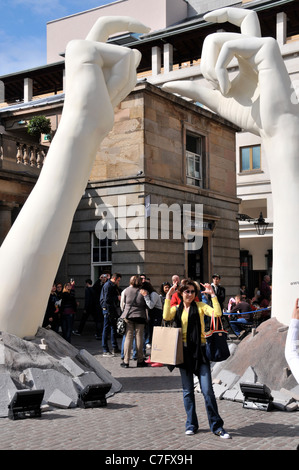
261	100
98	77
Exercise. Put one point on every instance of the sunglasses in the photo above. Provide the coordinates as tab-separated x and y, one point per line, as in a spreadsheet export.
189	291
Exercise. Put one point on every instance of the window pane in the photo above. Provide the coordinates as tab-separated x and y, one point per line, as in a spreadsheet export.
197	168
245	159
256	157
190	167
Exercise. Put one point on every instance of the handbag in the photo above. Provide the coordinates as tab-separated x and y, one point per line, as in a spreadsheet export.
121	322
121	326
217	349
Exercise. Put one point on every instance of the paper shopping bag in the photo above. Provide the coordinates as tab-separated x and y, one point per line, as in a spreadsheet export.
167	345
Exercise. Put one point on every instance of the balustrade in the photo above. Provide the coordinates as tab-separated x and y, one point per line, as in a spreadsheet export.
22	152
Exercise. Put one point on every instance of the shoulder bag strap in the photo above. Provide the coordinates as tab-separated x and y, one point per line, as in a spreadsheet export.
132	303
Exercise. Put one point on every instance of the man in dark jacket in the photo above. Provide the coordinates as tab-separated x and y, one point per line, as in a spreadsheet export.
241	307
110	297
218	289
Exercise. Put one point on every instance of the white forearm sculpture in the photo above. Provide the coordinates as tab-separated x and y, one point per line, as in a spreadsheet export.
98	77
261	100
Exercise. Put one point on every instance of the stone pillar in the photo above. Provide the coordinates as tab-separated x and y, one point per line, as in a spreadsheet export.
156	60
28	89
2	92
281	28
168	57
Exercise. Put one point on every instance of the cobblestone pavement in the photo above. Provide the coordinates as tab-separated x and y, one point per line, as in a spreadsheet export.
148	414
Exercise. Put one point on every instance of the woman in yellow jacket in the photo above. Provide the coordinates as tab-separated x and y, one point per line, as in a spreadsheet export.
189	315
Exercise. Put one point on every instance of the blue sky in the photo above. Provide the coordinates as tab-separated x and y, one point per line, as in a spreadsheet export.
23	29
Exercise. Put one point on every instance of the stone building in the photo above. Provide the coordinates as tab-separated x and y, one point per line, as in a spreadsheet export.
163	154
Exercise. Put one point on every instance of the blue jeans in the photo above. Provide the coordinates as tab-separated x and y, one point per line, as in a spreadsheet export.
109	325
205	381
67	322
237	325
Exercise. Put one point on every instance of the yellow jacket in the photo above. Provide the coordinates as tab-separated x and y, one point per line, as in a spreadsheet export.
203	309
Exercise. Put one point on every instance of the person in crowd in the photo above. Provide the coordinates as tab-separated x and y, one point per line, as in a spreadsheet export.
89	307
266	292
59	289
175	298
110	303
292	343
218	289
241	306
163	291
51	315
133	308
189	315
99	318
154	308
68	311
243	292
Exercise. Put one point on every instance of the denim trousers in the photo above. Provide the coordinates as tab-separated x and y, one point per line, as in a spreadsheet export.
67	322
205	381
109	326
237	325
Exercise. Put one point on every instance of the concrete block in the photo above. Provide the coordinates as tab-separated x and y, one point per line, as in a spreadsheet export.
292	406
295	392
74	369
50	380
219	390
230	394
289	393
280	399
228	378
58	399
249	376
7	391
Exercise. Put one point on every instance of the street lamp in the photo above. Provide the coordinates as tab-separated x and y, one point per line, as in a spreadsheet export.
260	224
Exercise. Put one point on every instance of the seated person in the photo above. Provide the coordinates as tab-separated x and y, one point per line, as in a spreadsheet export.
240	307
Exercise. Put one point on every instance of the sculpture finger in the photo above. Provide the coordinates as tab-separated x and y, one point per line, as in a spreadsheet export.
108	25
195	91
261	55
246	19
210	52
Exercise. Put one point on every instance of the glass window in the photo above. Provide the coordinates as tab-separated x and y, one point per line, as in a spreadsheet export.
250	158
101	255
194	160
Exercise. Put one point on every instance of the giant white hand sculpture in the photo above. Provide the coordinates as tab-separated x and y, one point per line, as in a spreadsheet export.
260	99
98	77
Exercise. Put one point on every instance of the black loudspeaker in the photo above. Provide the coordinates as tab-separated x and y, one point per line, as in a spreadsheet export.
26	404
93	396
256	396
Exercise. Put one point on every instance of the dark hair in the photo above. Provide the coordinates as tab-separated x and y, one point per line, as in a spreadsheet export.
184	286
116	276
147	286
162	286
88	281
